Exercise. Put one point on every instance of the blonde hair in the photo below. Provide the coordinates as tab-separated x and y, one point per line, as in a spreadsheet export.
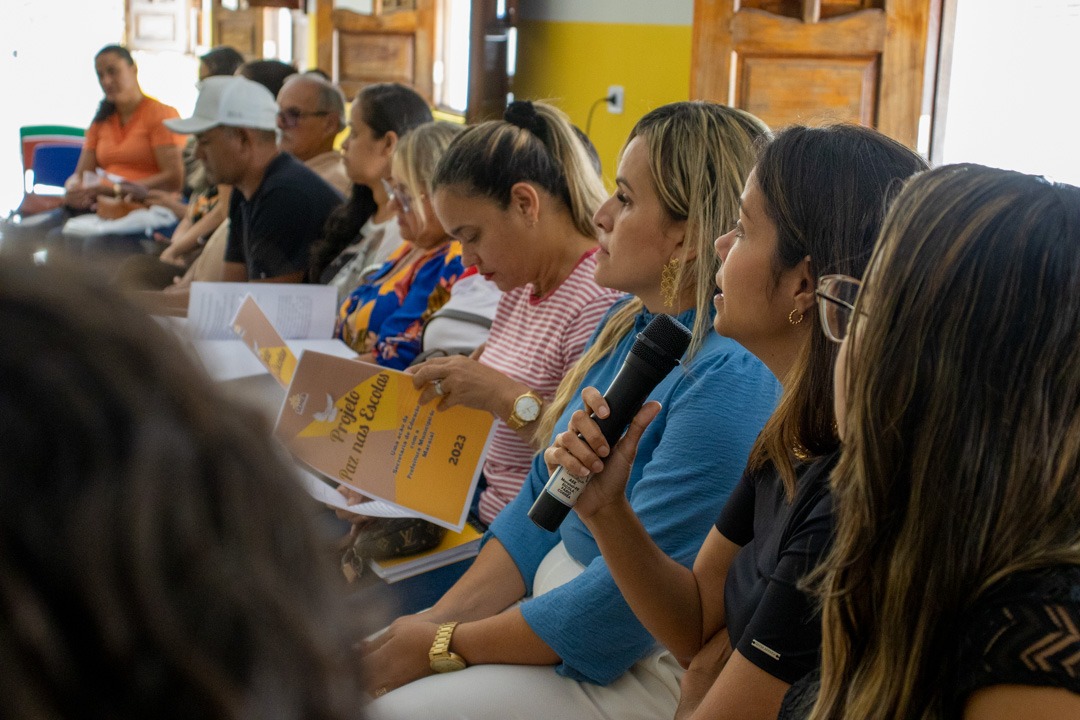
961	460
416	155
699	155
535	144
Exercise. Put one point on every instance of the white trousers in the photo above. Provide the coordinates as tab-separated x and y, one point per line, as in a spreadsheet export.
648	690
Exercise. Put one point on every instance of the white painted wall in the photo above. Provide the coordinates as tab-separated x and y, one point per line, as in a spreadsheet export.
634	12
1012	97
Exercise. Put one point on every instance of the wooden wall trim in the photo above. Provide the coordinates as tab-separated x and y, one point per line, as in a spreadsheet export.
424	81
712	28
907	38
324	36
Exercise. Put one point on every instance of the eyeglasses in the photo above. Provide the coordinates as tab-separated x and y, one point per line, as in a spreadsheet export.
398	194
836	296
291	117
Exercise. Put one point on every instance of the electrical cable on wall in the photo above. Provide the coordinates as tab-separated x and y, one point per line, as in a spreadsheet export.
592	109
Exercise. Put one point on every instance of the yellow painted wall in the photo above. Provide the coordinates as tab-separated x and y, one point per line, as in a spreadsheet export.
573	63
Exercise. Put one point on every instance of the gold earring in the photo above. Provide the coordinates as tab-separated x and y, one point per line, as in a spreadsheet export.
791	317
668	282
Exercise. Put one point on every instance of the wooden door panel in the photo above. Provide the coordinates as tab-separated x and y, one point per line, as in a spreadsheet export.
799	8
856	33
794	61
396	43
241	29
781	90
371	57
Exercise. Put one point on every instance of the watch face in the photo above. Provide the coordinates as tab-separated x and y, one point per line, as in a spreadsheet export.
448	663
527	408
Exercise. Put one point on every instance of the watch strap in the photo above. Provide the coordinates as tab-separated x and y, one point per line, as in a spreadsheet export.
440	657
441	646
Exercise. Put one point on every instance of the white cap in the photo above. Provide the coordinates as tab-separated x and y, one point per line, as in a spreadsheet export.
229	100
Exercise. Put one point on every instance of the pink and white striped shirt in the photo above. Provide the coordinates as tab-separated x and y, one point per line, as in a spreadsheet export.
536	342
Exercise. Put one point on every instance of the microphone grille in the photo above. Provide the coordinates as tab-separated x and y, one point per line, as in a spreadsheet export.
664	340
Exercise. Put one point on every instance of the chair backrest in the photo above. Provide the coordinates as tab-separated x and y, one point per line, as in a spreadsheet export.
53	164
31	136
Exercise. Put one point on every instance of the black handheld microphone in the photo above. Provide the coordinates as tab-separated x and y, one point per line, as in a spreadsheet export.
655	353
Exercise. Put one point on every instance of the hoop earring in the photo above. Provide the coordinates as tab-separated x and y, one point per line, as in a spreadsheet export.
668	286
791	316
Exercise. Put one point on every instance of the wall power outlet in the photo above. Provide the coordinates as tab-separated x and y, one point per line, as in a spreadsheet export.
616	96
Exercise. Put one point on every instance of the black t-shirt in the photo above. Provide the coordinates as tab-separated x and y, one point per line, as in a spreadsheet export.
770	620
272	232
1025	630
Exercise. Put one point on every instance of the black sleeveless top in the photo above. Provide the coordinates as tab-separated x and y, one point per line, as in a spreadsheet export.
1023	631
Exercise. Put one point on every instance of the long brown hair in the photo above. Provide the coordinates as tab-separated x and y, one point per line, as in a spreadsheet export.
699	155
961	460
384	107
827	190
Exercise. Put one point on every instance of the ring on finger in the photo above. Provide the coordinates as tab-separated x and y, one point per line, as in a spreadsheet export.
379	692
438	387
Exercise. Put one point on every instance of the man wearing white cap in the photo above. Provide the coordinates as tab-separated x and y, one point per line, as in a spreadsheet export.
279	206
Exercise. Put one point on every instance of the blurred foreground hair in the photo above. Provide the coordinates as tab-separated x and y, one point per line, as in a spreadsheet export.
961	460
157	557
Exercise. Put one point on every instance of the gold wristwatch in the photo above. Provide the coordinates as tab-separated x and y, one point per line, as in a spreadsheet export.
526	410
440	657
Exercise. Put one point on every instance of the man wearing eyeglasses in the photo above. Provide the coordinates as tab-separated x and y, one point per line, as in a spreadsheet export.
278	205
311	113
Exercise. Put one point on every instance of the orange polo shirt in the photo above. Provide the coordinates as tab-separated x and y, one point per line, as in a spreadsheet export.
128	150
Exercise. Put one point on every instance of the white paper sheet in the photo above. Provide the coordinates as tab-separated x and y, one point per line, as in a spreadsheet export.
328	495
297	311
231	359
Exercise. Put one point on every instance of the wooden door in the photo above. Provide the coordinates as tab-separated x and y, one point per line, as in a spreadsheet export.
394	43
157	25
810	61
493	25
241	29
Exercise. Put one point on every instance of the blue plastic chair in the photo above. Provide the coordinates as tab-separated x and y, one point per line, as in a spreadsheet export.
53	164
30	136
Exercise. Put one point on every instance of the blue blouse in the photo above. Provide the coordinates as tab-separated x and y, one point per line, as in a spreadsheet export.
688	461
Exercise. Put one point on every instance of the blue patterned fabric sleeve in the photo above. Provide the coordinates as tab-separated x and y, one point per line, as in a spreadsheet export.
386	315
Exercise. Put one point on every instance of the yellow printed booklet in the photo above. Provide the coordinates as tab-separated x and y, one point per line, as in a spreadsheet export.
257	332
362	425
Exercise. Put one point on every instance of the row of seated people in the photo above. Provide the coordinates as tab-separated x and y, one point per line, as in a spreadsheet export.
131	138
738	448
729	557
129	155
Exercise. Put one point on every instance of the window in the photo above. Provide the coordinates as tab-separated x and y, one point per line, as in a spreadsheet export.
1009	98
